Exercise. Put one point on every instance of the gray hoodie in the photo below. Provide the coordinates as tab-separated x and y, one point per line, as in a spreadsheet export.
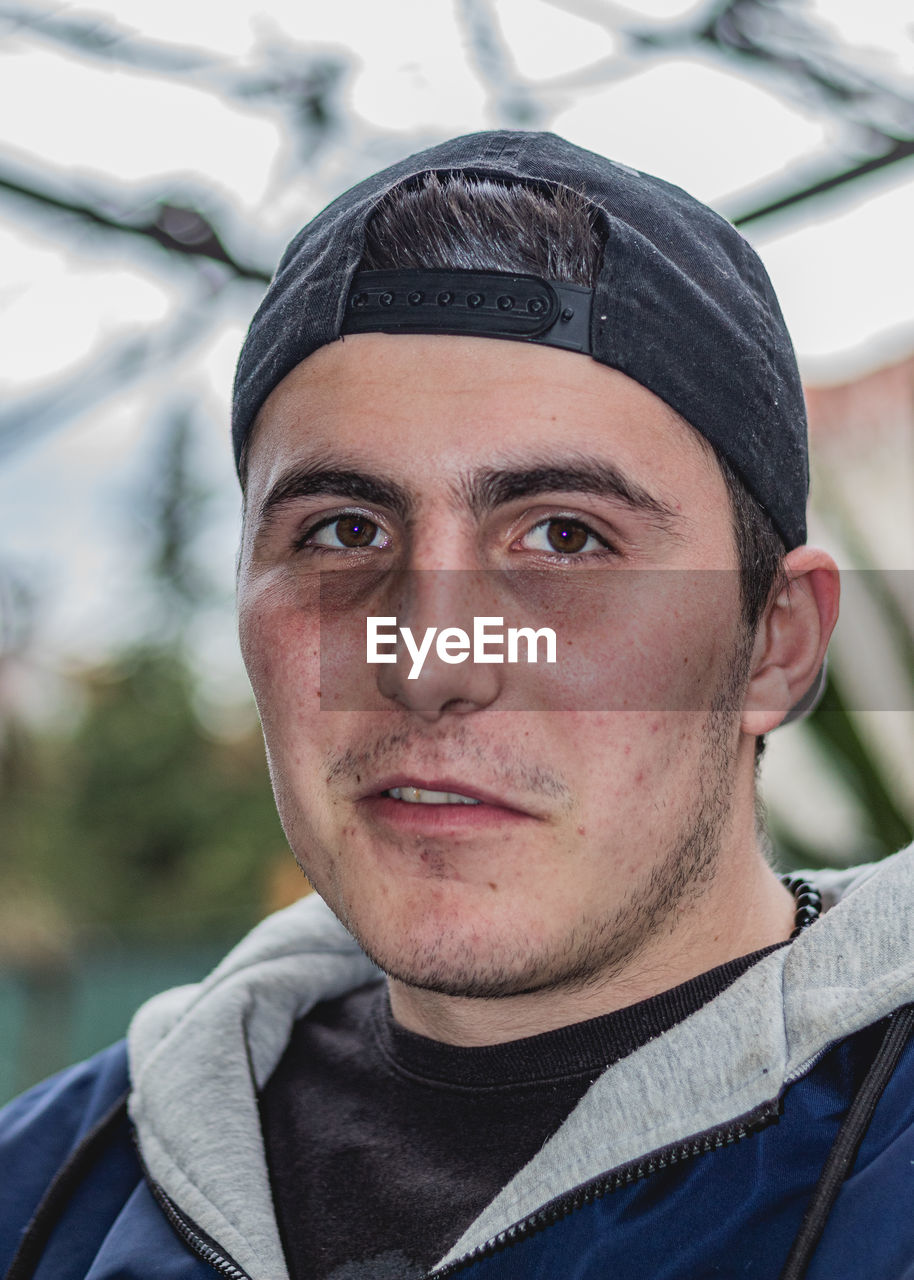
200	1054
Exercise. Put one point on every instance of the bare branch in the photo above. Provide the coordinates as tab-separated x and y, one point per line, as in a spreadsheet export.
304	85
514	102
30	417
777	37
603	13
902	150
108	41
177	228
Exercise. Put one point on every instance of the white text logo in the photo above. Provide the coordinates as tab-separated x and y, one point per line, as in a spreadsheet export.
453	644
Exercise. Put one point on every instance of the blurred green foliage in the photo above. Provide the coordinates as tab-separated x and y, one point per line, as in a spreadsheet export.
138	821
135	845
849	757
883	826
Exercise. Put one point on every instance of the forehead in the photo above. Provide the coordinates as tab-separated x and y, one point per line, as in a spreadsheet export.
427	405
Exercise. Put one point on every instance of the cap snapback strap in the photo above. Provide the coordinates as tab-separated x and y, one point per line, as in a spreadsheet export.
485	304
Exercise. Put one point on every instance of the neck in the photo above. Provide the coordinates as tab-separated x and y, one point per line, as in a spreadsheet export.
743	909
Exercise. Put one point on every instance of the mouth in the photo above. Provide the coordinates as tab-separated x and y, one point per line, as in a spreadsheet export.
442	790
438	804
419	795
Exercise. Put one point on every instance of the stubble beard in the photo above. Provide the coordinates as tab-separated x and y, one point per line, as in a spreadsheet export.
599	948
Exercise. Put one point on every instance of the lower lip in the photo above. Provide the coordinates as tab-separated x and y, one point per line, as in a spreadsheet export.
408	816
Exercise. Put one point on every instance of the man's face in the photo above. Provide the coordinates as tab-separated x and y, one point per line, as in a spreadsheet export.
382	470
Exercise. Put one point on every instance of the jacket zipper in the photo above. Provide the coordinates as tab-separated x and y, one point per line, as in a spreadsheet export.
636	1171
805	1067
195	1242
624	1176
185	1229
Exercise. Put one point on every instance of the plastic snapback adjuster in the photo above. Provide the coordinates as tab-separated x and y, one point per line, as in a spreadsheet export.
485	304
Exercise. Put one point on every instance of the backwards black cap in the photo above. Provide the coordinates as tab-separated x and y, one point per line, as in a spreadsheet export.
682	304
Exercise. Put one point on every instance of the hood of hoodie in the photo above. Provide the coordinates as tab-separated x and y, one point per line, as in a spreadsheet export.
200	1054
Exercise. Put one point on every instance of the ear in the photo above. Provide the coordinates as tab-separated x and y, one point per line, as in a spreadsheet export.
791	639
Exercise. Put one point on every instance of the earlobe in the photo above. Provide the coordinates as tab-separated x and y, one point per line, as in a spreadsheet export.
792	638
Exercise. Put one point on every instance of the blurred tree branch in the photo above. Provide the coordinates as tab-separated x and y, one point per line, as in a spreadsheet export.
764	34
175	227
304	85
173	504
513	98
773	37
26	419
101	38
768	34
902	149
776	35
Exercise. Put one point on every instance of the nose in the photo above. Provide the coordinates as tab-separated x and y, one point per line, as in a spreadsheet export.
440	598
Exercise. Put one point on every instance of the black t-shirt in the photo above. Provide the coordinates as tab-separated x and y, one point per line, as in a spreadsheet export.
383	1145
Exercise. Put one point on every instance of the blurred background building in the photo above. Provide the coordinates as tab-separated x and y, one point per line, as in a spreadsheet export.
155	156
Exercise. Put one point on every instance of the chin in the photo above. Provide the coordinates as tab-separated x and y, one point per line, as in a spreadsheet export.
446	947
493	959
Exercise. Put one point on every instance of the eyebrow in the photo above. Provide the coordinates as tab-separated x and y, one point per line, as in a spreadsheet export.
319	480
482	491
491	488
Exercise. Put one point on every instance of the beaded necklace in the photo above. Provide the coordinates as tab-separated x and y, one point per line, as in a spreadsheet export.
808	900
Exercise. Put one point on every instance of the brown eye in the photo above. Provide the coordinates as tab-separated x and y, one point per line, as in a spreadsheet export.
566	535
355	531
350	531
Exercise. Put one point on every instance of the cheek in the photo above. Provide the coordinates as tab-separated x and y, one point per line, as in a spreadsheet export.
637	640
634	773
280	646
627	757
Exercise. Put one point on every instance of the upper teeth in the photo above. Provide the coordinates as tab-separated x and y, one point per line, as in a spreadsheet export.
416	795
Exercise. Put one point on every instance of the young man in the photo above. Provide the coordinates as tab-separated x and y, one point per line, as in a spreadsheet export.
550	1012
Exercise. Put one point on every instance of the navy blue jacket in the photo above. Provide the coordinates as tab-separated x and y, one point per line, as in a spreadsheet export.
726	1199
